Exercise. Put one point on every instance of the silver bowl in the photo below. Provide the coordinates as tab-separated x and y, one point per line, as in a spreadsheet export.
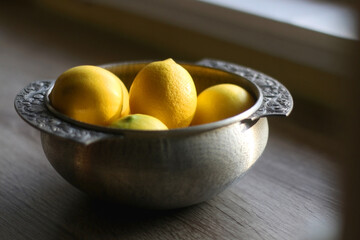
158	169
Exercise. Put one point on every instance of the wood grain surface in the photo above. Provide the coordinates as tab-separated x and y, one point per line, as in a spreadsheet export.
292	192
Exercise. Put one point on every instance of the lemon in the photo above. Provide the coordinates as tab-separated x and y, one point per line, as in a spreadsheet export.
126	105
139	122
165	90
221	101
89	94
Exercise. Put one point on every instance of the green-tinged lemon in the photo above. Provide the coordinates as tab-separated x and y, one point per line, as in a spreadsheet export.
139	122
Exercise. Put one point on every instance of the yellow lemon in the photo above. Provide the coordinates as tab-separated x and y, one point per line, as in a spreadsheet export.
139	122
126	105
165	90
89	94
221	101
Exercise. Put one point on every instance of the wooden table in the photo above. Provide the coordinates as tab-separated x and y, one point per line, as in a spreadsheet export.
292	192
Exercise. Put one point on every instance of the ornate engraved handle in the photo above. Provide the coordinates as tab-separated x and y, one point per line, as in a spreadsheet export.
277	100
30	105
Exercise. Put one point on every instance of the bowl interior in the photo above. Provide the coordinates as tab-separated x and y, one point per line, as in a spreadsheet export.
203	77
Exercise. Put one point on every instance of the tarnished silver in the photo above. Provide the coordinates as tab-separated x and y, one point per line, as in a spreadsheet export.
158	169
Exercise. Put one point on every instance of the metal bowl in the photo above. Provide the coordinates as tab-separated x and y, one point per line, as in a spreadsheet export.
158	169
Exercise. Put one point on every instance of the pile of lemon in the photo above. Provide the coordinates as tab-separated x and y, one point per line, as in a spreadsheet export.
162	96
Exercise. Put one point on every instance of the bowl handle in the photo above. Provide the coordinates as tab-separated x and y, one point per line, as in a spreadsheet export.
30	105
276	99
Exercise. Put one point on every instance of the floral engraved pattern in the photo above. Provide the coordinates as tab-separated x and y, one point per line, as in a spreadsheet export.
30	105
277	99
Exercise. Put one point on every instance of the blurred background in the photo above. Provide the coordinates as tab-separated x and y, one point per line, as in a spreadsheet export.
309	46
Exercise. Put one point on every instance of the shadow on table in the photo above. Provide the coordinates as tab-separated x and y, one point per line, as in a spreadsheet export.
97	219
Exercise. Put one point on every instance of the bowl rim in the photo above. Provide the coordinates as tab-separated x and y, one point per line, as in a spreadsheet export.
258	95
272	99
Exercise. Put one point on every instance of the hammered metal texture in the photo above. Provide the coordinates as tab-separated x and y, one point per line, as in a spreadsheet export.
178	168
